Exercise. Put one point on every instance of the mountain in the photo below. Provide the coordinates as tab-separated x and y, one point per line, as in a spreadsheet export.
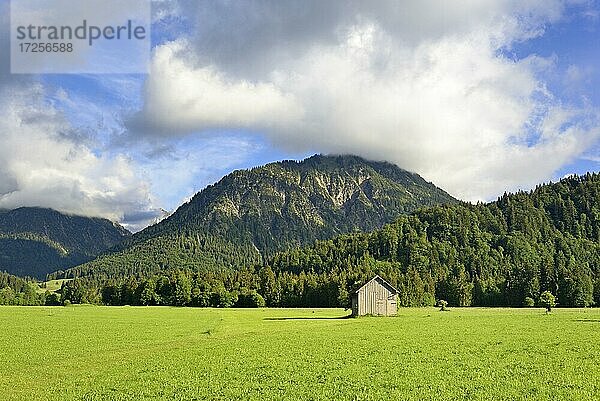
36	241
250	214
504	253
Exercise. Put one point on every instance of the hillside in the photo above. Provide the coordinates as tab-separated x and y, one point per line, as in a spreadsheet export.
250	214
37	241
19	291
495	254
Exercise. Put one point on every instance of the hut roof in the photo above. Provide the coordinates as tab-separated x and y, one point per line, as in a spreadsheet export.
375	278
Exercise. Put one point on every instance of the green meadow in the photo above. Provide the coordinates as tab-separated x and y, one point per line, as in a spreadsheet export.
51	285
148	353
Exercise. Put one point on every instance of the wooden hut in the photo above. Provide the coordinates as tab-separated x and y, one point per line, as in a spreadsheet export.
376	297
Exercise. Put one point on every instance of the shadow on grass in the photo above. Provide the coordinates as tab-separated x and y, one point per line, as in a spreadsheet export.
588	320
308	318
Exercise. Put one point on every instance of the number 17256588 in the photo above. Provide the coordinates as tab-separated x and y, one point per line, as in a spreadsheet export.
42	47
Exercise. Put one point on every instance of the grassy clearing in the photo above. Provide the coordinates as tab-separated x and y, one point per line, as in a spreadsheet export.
135	353
51	285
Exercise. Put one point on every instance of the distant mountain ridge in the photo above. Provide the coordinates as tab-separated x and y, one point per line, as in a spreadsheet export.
252	213
36	241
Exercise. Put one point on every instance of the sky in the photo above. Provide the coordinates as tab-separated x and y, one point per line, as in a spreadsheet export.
480	97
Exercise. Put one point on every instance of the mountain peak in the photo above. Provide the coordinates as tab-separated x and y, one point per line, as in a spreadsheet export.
249	214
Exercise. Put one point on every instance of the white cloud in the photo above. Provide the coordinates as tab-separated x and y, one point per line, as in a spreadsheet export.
42	165
425	84
63	148
422	84
192	97
49	160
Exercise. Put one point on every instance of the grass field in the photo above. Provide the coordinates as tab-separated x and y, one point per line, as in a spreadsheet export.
130	353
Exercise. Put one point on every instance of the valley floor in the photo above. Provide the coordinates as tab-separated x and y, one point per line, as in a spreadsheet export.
139	353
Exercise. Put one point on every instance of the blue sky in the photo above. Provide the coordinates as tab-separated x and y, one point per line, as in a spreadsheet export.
573	43
478	97
176	168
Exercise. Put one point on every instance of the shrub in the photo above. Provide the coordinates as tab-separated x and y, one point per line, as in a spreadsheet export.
250	299
53	299
528	302
548	301
257	300
223	299
428	299
442	304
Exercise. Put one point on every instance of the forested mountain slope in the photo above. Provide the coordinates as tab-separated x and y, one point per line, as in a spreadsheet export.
250	214
37	241
495	254
487	254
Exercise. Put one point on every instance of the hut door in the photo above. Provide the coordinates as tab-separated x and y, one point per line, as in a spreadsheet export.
381	307
392	305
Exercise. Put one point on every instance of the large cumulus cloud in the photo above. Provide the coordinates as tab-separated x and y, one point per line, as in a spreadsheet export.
428	85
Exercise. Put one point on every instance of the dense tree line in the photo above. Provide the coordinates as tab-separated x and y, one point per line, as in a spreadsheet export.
244	288
495	254
19	291
183	251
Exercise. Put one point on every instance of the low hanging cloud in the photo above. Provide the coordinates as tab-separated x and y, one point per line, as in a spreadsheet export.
426	85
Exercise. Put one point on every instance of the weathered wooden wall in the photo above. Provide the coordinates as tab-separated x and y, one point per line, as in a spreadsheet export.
375	298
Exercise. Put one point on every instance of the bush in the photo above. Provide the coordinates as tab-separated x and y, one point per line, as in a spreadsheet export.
223	299
250	299
548	301
67	303
528	302
428	299
442	304
53	299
